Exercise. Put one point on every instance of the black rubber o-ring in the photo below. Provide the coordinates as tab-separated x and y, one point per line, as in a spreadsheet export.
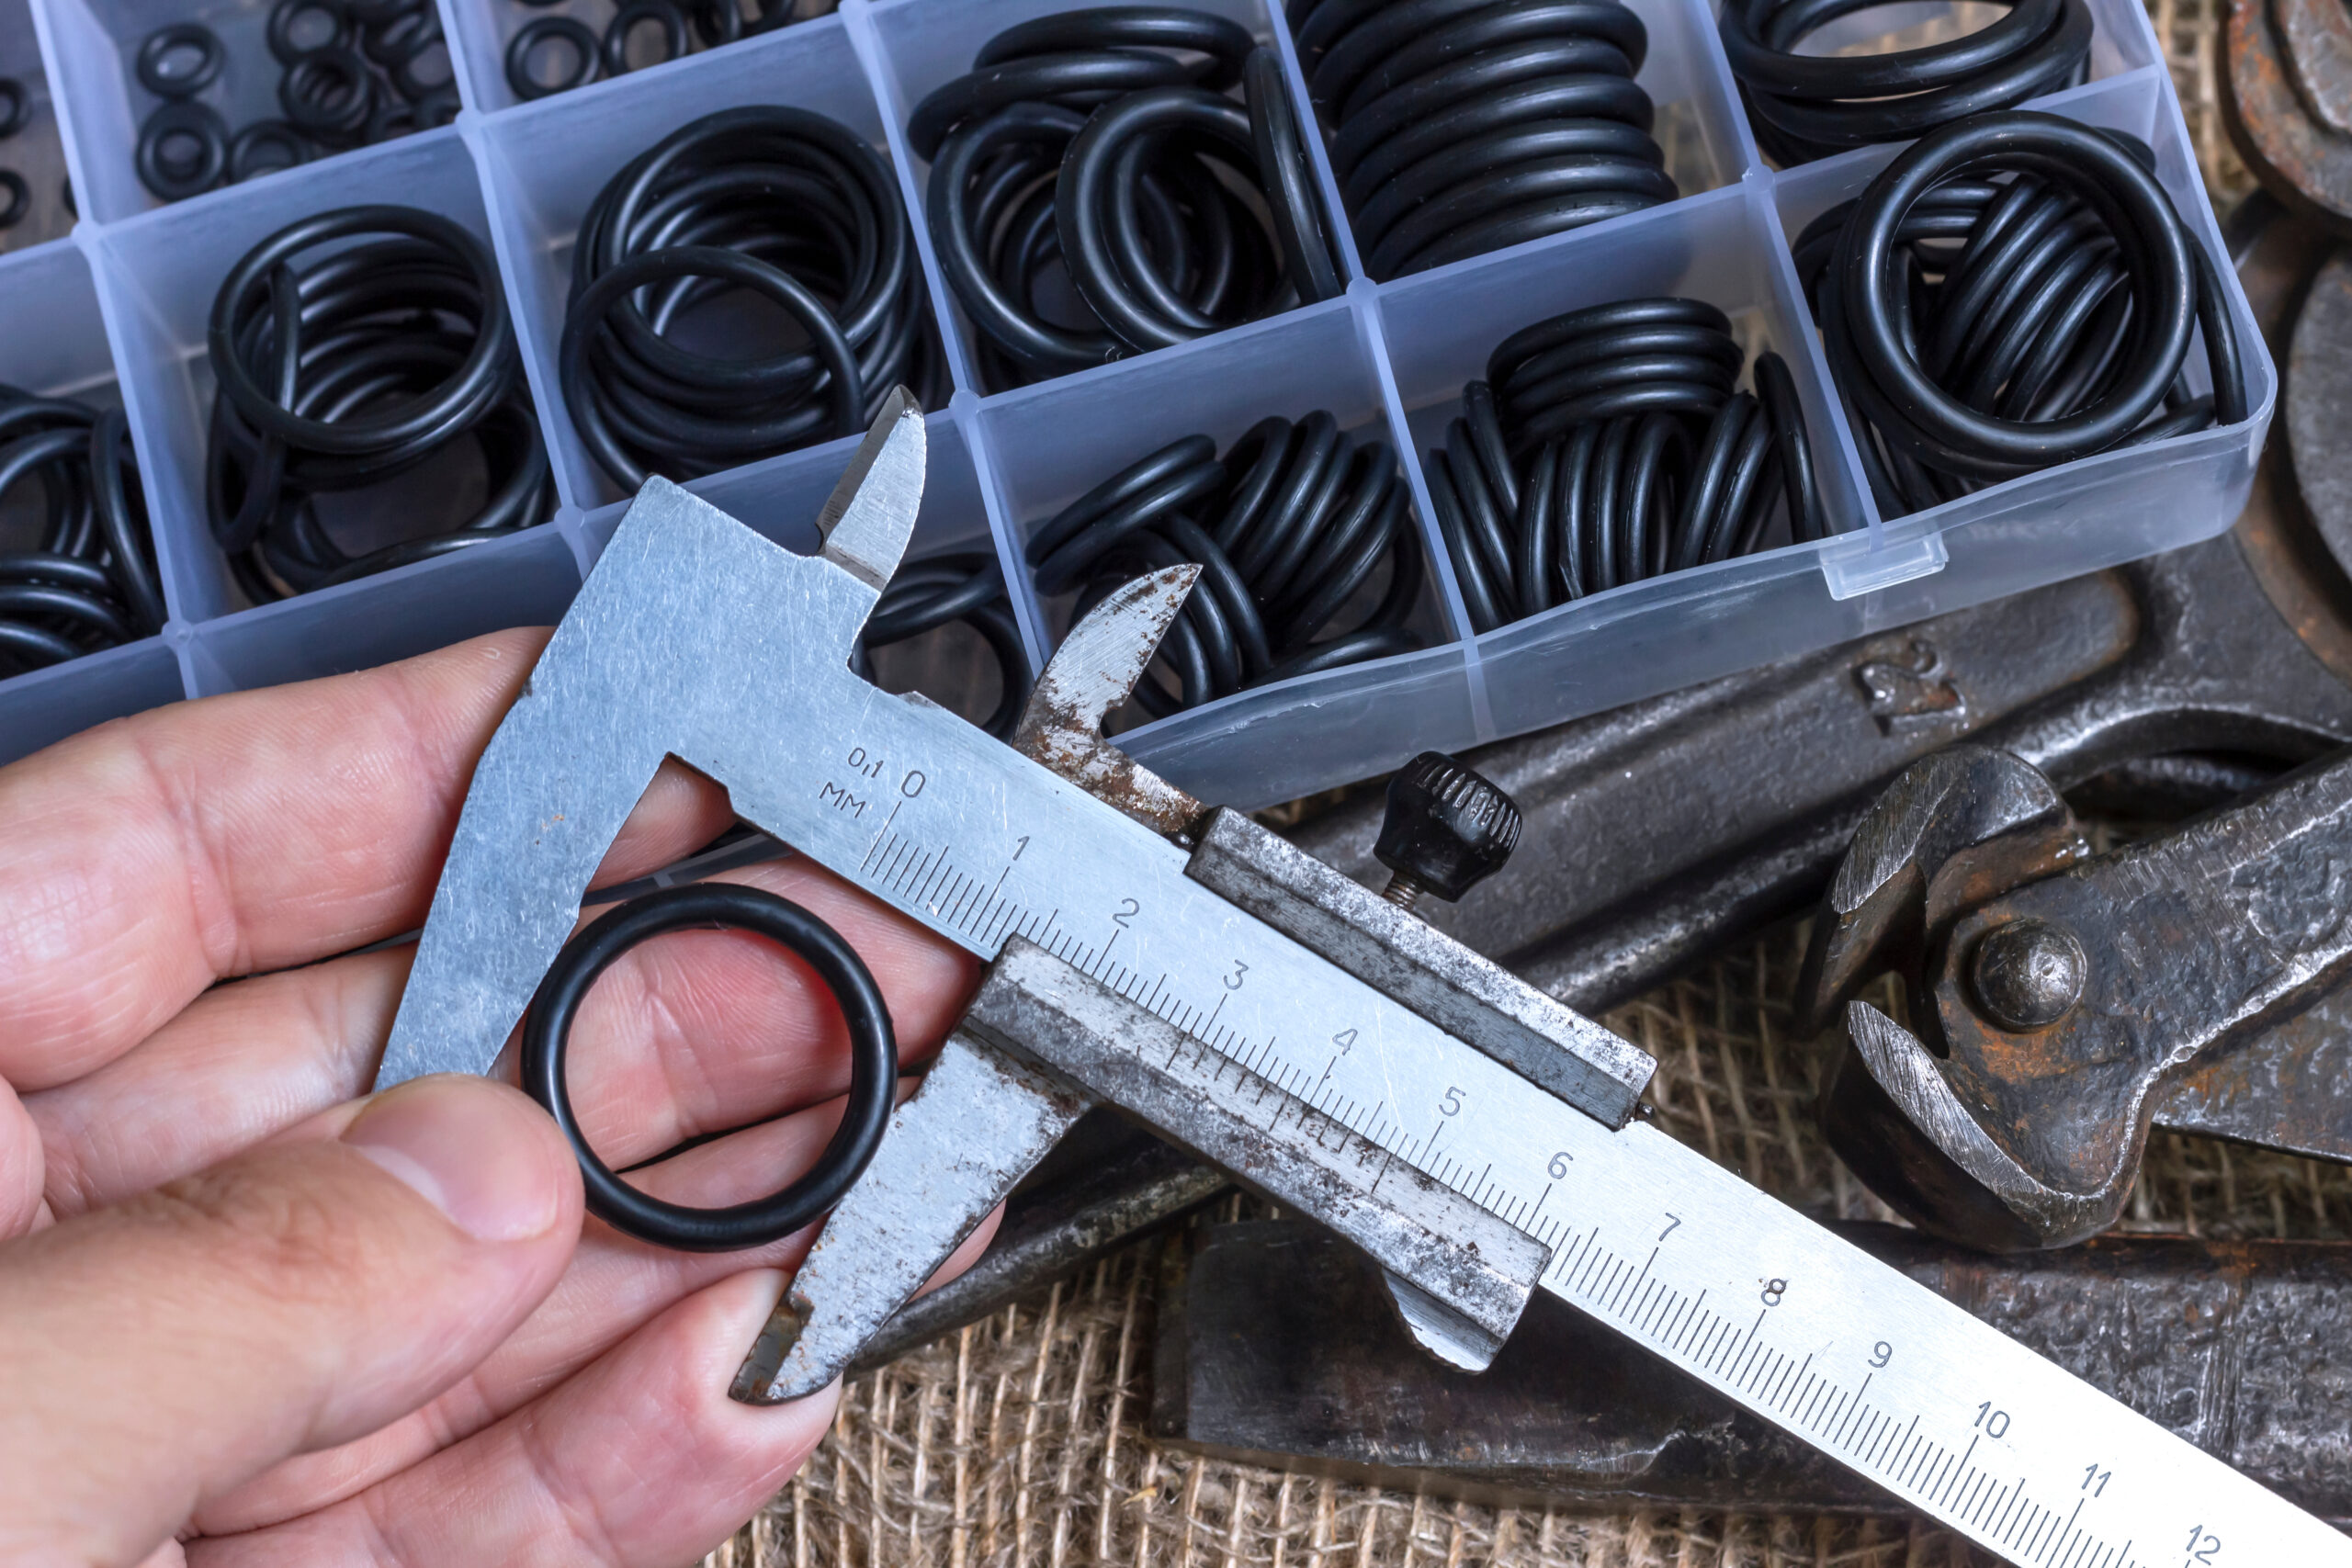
544	29
265	135
213	58
625	20
20	198
874	1062
279	33
408	84
182	117
328	94
19	102
586	315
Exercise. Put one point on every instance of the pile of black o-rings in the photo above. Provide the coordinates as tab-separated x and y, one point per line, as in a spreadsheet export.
959	586
2013	291
1095	192
1459	127
351	73
1804	106
1609	446
1290	529
88	580
15	113
349	370
781	205
580	54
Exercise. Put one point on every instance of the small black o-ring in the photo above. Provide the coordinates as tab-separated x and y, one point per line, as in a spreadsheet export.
565	30
394	116
635	14
874	1062
19	107
408	84
716	22
387	42
250	150
286	14
20	198
328	95
173	178
213	58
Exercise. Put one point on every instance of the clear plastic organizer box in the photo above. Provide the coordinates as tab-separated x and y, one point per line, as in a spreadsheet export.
117	310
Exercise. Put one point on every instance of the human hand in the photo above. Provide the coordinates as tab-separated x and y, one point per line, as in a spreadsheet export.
245	1316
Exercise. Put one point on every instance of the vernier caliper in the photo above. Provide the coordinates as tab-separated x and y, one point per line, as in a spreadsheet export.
1475	1138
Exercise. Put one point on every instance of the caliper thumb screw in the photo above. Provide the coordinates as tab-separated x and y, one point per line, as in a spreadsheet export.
1447	830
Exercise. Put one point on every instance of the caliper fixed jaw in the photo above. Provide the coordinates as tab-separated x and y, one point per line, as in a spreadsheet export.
667	650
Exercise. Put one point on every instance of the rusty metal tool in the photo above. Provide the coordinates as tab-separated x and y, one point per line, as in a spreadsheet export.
1270	1349
2286	99
1475	1138
2058	1000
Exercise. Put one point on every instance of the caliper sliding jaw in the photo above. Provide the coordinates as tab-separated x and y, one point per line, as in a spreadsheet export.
1042	1043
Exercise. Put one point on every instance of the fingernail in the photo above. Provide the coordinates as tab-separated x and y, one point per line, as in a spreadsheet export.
469	1148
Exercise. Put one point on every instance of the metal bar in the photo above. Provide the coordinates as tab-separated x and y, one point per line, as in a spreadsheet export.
1274	1348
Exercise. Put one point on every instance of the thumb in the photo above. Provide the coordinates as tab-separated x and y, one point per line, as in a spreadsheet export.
301	1294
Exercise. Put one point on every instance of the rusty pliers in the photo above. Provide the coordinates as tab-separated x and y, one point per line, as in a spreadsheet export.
2062	1003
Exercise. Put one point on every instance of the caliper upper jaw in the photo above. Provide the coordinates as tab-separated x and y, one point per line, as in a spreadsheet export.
1095	671
1954	831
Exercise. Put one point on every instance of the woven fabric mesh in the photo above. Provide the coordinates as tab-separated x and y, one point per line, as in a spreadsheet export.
1020	1442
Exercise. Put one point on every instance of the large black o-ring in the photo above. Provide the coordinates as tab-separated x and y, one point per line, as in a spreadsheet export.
213	57
20	198
873	1073
18	108
564	31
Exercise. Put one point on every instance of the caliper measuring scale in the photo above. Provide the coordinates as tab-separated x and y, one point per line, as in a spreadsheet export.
1123	975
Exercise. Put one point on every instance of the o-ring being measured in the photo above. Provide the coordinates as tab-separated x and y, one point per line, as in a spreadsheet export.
1102	145
344	372
2014	291
722	906
1609	445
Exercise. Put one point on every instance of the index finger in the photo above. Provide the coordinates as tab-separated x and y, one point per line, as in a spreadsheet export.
152	856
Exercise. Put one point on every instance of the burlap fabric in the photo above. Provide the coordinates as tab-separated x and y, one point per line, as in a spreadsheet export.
1021	1441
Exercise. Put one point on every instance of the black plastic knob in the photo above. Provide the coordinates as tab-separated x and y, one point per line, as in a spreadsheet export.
1447	830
